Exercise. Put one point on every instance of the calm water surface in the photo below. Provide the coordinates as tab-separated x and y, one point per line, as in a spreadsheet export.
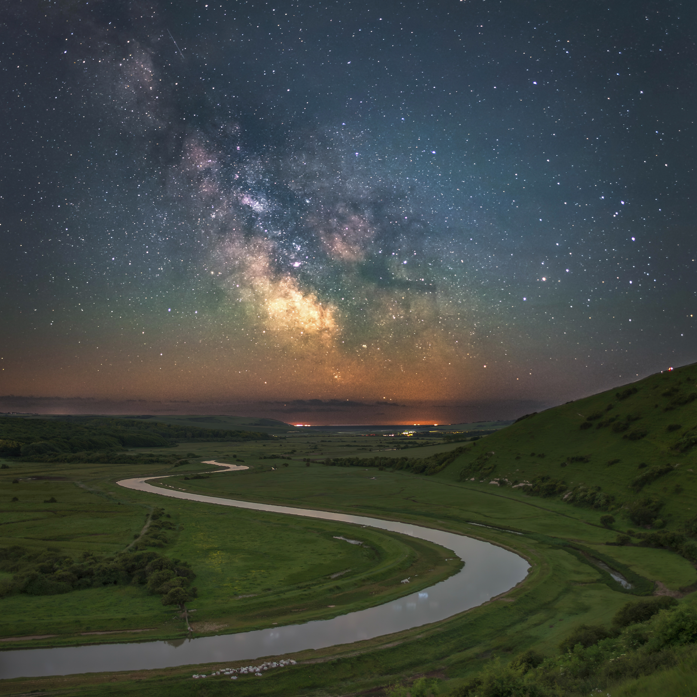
489	570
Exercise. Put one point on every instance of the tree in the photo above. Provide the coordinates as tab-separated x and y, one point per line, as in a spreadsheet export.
607	520
179	596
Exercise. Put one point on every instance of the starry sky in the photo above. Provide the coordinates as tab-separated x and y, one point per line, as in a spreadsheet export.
312	210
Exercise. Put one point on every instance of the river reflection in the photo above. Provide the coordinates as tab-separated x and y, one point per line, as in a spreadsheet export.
489	571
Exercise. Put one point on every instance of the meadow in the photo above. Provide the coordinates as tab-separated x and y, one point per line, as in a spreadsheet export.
251	568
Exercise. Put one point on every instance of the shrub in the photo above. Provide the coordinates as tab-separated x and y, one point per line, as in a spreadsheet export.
673	427
586	635
688	550
628	392
637	434
676	627
651	474
687	399
158	579
685	444
607	520
644	511
527	661
690	526
496	680
641	611
41	585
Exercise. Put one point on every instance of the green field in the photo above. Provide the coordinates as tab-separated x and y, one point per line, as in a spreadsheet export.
594	472
252	568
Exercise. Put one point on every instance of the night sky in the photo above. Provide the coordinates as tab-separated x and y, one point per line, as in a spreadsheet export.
463	208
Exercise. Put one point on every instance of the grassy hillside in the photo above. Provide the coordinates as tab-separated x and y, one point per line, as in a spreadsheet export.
618	451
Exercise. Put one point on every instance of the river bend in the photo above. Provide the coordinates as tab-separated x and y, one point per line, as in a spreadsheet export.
489	571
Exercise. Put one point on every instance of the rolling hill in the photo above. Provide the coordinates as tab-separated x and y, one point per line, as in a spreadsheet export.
631	452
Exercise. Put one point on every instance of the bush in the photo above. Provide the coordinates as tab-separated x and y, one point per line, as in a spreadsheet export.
527	661
690	526
637	434
675	627
641	611
41	585
651	475
685	444
586	635
500	681
644	511
624	394
607	520
686	399
158	579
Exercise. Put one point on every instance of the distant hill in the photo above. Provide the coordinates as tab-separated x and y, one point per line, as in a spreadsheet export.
630	451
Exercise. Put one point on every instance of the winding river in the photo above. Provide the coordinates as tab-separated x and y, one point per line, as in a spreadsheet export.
489	571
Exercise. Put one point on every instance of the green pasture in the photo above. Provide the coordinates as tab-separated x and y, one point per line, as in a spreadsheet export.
253	569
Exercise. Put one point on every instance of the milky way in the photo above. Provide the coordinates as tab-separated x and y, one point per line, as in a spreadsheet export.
415	202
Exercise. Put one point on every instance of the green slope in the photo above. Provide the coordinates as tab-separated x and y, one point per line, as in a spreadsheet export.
615	451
